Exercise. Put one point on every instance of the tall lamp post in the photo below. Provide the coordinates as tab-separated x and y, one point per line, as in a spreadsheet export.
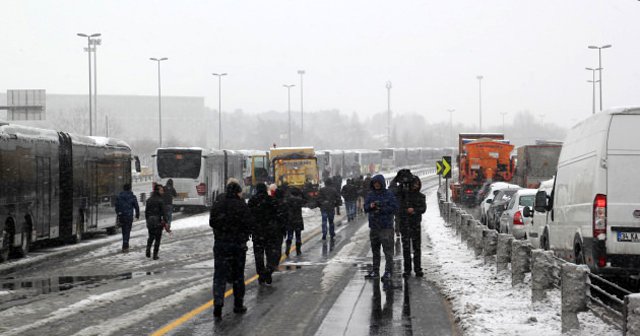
89	36
480	99
158	60
600	67
219	107
95	42
289	86
451	128
301	73
593	82
388	86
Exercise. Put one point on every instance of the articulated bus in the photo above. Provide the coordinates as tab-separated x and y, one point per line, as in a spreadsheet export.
199	175
56	185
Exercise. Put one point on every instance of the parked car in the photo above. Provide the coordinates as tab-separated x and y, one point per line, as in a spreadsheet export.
498	205
537	232
595	201
494	188
511	220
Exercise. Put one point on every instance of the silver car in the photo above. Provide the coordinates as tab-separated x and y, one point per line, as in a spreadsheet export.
512	220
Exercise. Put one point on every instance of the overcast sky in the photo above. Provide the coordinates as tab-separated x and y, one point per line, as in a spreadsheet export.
532	54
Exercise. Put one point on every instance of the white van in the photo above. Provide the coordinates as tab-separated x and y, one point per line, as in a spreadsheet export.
595	202
538	230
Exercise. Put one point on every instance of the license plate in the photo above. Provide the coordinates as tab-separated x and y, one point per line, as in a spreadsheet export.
633	237
181	196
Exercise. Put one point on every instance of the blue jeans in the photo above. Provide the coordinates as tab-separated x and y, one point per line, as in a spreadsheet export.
169	213
229	260
351	209
298	235
125	222
327	215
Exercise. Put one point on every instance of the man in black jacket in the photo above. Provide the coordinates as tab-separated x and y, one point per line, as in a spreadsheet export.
126	203
154	213
295	224
412	205
231	221
265	231
350	194
169	194
328	198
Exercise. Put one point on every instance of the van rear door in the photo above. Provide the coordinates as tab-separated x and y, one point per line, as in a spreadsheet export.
623	185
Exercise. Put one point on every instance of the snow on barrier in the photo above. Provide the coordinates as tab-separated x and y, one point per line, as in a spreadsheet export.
520	261
489	244
544	274
574	295
503	251
632	315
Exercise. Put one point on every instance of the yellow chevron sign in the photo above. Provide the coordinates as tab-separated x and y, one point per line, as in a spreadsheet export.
439	167
446	163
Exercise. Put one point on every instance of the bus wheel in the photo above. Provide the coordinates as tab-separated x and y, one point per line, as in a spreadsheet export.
25	241
7	240
111	231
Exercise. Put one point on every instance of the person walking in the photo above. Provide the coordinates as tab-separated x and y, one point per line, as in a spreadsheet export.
409	220
400	186
154	214
337	184
350	194
231	221
295	224
264	210
327	200
381	205
126	204
169	194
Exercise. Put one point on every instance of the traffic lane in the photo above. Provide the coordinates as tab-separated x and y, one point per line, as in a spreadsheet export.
301	293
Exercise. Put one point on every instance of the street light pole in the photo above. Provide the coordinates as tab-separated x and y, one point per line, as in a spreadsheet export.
95	42
219	107
593	84
89	36
388	86
301	73
600	67
158	60
289	86
480	99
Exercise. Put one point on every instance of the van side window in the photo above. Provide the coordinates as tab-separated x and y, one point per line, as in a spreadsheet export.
512	203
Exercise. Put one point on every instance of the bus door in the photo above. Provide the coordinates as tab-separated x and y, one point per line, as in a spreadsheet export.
65	183
43	196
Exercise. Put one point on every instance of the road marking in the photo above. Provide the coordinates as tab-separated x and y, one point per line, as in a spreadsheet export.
188	316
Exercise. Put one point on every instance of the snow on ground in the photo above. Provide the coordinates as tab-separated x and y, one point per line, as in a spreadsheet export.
484	302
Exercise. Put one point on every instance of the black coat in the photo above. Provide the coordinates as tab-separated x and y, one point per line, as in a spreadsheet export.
264	210
154	210
411	199
231	219
294	206
328	198
349	192
169	194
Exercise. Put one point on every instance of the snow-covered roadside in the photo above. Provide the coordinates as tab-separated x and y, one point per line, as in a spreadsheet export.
484	302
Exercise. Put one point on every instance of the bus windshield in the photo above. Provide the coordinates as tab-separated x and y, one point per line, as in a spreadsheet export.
179	164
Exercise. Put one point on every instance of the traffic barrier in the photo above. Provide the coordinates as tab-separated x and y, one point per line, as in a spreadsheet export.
470	234
452	213
544	274
520	260
445	211
503	251
464	224
489	242
631	323
574	295
477	238
459	216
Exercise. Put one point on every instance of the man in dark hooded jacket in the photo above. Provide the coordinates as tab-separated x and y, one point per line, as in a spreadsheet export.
337	184
126	203
155	215
295	223
350	194
381	205
409	219
327	199
231	221
265	232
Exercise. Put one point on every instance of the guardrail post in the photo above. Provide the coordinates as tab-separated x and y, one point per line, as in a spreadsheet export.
574	295
520	260
458	221
477	241
489	242
503	251
445	212
543	274
464	224
631	315
471	233
452	213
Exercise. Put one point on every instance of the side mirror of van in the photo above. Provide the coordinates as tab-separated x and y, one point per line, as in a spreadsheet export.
489	201
137	163
540	204
526	212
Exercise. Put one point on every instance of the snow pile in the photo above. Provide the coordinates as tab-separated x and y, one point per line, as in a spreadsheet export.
484	302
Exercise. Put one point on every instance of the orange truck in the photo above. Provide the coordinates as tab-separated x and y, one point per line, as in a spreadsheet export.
483	157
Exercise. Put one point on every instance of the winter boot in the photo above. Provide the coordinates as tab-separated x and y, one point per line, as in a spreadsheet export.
419	273
372	275
217	311
148	252
238	307
288	249
298	248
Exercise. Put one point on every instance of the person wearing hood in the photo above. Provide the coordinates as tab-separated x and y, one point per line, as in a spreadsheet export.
231	222
126	203
169	194
265	231
328	198
350	194
155	215
381	205
295	224
409	218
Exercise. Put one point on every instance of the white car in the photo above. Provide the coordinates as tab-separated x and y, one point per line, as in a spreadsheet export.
512	221
538	232
595	202
493	191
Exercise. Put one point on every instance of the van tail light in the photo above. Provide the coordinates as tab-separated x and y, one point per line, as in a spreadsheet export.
602	261
201	189
600	217
517	218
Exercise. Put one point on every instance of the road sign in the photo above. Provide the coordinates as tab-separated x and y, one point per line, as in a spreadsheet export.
439	167
446	163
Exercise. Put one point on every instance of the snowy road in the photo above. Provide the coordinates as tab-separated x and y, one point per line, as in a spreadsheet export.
93	289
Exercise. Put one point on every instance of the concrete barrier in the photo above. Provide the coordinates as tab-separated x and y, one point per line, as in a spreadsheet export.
471	237
631	323
490	243
544	274
520	260
452	213
458	222
464	227
574	295
477	238
503	251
